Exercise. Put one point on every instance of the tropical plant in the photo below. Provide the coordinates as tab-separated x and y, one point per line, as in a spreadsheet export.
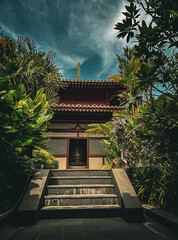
45	159
144	133
155	41
21	61
155	138
23	122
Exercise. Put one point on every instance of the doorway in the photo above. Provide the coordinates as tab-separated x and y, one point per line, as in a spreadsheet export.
77	153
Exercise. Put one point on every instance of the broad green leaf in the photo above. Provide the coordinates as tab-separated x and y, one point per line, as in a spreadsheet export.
28	142
38	107
10	96
20	92
23	106
43	109
43	99
39	95
40	121
30	103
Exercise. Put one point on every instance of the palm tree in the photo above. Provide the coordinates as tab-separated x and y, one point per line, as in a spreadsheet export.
128	67
21	61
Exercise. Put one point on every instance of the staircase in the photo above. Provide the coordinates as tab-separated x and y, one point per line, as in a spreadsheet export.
80	193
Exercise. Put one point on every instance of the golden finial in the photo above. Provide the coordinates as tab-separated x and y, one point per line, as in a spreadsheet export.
78	72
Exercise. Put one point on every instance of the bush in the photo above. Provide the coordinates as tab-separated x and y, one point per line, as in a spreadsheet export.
158	185
46	158
23	122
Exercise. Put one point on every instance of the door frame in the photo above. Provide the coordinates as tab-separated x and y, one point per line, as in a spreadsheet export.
68	145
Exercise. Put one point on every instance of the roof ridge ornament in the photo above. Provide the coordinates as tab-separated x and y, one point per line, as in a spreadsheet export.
78	71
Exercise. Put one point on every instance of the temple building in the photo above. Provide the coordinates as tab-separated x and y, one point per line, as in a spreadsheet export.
82	103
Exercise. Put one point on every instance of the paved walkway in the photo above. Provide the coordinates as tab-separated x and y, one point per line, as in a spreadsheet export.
88	229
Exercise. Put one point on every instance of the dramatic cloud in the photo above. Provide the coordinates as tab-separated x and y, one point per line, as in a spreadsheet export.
75	29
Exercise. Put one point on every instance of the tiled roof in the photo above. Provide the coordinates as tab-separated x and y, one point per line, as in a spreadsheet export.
96	83
85	107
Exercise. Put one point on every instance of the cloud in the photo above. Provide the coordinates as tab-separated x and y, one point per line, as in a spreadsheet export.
95	29
76	30
9	31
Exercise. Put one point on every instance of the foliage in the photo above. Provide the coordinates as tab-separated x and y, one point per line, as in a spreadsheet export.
158	186
21	61
96	128
45	158
144	135
29	80
151	103
116	78
162	29
128	66
23	122
107	166
153	41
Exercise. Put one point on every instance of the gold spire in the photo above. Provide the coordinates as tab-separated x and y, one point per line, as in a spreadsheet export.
78	71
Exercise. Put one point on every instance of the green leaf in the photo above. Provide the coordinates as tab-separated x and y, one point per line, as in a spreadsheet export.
174	13
10	96
29	129
106	130
40	121
12	131
30	103
48	117
39	95
5	85
20	93
23	106
37	108
28	142
130	120
43	109
17	143
105	141
143	109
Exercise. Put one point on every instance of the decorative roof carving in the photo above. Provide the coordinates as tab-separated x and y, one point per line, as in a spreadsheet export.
85	107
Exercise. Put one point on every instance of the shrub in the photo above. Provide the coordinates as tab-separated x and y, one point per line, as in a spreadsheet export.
46	158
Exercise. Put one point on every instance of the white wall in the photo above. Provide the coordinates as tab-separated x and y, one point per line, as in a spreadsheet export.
62	162
95	162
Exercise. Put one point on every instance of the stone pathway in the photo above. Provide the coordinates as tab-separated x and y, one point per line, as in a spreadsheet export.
88	229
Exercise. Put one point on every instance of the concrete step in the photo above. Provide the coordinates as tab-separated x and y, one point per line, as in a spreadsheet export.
76	180
80	211
80	199
81	189
79	172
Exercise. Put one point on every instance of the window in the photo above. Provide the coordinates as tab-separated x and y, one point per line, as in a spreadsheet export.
58	146
96	147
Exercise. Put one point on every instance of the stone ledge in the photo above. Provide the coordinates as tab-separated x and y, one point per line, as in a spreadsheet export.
131	207
167	219
32	201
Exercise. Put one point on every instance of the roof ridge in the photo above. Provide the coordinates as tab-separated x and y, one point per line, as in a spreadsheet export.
86	105
89	81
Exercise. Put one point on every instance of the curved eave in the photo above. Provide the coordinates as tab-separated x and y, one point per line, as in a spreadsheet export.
92	83
85	110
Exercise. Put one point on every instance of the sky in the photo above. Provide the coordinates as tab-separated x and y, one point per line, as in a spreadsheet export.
75	29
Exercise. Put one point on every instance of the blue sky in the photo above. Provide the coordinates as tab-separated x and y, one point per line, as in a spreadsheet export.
75	29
